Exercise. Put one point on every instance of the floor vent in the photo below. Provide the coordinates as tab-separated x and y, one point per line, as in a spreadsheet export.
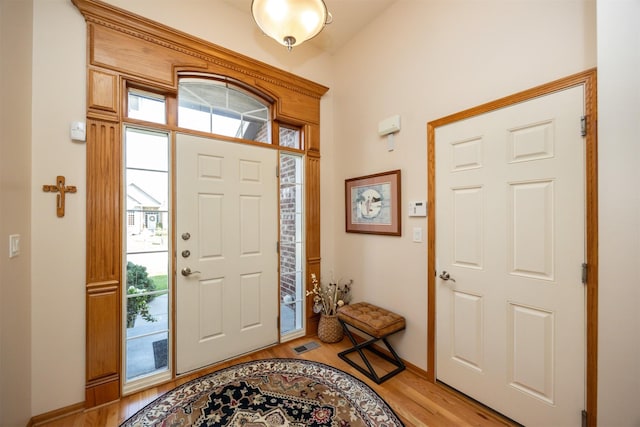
306	347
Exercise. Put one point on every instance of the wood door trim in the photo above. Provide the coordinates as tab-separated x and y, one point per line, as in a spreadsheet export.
126	50
588	79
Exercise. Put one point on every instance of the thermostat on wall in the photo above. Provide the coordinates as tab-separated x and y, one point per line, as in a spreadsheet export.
78	132
418	208
389	125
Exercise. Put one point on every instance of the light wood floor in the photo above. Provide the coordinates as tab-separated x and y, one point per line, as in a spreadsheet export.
414	399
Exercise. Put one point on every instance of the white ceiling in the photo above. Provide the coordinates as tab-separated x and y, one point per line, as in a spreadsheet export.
349	17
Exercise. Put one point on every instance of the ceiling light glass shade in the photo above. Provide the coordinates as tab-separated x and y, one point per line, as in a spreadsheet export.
290	22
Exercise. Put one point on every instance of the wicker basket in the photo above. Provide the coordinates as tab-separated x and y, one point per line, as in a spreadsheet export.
330	329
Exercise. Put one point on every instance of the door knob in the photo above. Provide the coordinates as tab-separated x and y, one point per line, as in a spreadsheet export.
186	272
445	276
186	236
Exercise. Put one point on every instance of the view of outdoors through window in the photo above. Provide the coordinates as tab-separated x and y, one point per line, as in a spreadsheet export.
147	251
147	242
291	243
146	106
215	107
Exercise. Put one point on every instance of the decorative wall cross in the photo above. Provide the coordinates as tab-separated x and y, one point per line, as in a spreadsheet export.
61	189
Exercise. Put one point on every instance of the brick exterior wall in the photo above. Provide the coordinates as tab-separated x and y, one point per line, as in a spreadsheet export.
289	192
288	195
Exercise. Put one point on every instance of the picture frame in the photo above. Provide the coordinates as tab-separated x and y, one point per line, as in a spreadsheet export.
373	204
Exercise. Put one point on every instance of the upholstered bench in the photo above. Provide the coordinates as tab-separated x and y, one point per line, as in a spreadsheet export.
378	323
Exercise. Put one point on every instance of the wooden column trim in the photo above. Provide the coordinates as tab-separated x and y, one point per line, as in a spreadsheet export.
313	233
103	289
591	101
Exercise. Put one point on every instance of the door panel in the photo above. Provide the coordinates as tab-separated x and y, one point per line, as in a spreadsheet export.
531	353
531	237
510	209
227	203
468	238
468	342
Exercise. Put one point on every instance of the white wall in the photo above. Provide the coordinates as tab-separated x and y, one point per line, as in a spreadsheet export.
619	212
15	168
424	60
58	244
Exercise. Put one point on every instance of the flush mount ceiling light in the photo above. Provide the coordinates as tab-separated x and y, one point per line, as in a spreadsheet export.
290	22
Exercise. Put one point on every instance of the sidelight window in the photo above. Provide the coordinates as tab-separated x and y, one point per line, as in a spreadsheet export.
146	263
291	245
146	289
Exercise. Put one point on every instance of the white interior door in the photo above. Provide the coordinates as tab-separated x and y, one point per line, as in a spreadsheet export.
510	234
227	230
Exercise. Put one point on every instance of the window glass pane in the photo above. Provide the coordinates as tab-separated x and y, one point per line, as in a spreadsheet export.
146	150
146	106
146	296
291	244
290	138
148	271
138	361
222	109
194	119
147	211
147	314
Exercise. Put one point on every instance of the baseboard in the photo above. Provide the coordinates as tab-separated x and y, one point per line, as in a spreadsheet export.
416	370
56	414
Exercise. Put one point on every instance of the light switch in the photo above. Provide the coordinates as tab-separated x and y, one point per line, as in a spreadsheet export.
14	245
417	234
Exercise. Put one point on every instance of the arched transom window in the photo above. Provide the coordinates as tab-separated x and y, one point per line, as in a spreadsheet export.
222	108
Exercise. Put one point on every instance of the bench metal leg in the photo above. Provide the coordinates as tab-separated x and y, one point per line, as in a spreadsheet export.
369	345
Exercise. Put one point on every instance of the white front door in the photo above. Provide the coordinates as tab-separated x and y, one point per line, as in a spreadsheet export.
510	239
227	231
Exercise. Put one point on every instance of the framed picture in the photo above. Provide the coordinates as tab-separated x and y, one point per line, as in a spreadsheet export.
372	204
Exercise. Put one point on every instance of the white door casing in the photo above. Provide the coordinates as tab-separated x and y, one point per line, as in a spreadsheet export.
227	201
510	230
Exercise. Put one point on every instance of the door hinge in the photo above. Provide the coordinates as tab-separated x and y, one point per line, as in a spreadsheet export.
585	273
584	419
277	247
583	125
277	171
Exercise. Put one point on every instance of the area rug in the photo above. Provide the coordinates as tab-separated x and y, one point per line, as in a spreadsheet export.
270	393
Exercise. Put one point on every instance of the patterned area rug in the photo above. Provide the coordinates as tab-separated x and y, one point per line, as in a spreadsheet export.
270	393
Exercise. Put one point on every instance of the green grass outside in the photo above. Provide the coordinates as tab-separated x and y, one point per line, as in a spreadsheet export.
161	282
